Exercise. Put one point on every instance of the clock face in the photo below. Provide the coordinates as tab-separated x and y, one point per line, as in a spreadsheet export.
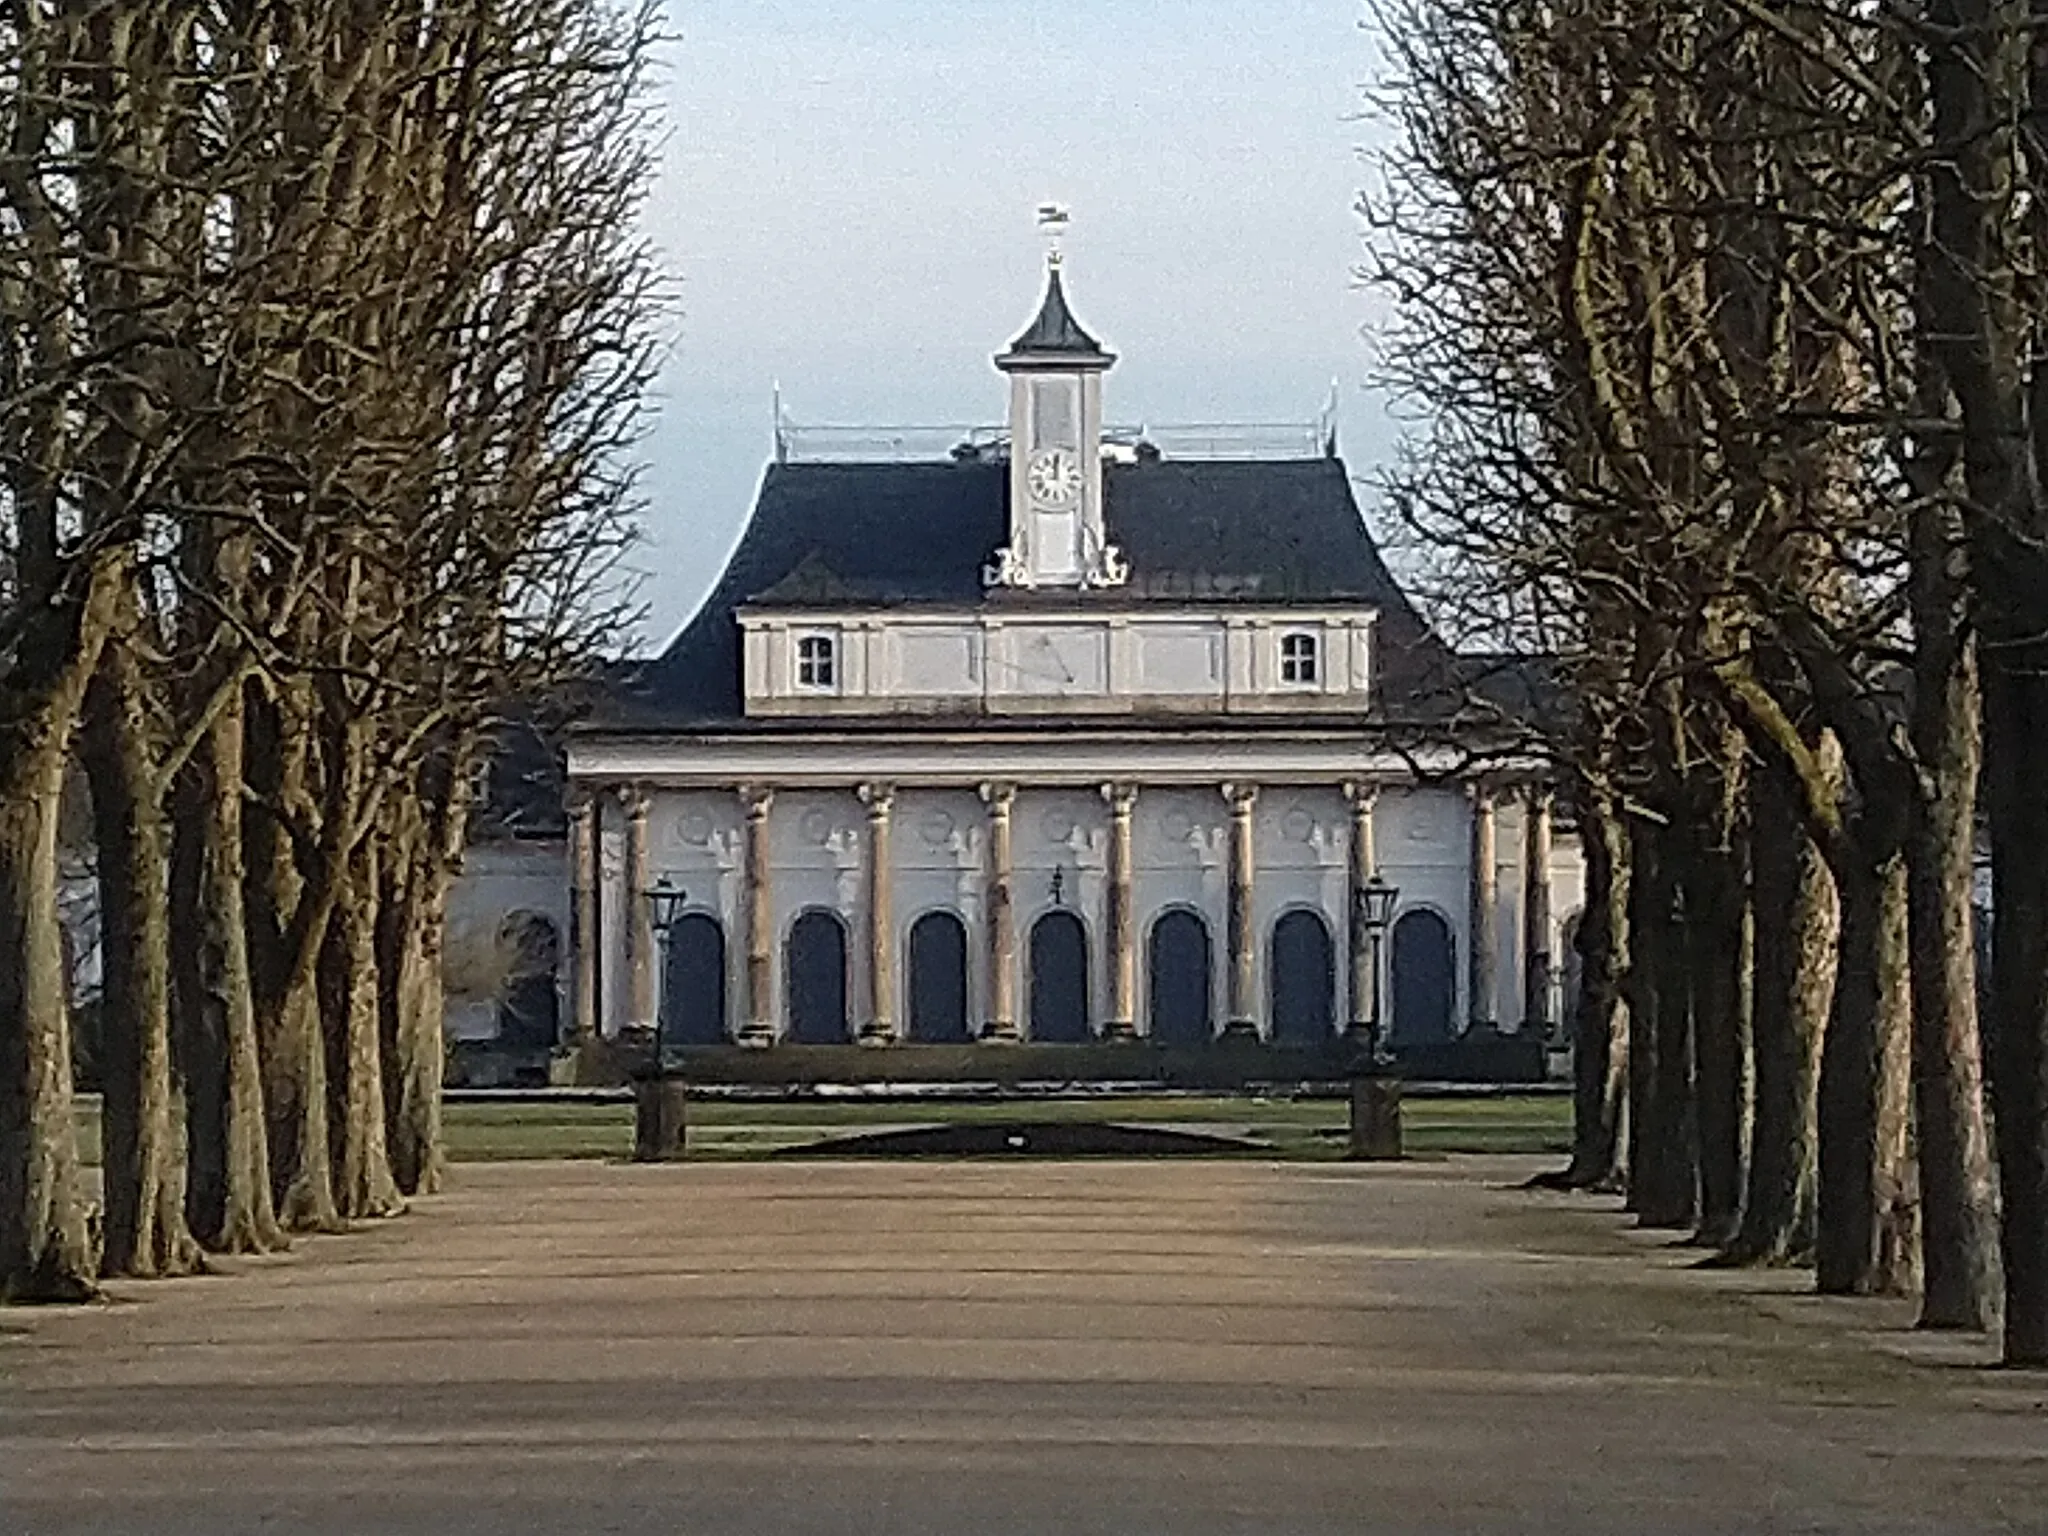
1054	476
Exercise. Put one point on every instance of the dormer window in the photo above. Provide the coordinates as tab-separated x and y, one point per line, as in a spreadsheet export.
817	662
1301	660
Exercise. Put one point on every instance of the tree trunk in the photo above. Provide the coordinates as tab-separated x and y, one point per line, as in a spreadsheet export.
1796	931
287	918
1958	1194
363	1184
231	1203
1864	1248
142	1156
45	1252
2016	762
1718	956
1645	1132
1600	1021
1666	1129
411	922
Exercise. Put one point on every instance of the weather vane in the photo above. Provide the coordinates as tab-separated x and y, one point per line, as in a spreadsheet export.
1053	219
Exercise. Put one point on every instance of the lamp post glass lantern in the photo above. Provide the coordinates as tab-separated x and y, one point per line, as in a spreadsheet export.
1379	904
1379	897
665	903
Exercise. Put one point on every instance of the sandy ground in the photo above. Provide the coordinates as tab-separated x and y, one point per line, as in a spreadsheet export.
987	1348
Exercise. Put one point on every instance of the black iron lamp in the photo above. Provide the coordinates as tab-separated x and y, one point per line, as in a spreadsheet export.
665	903
1379	897
665	906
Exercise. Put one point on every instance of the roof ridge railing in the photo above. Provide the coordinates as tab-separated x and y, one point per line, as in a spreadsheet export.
832	443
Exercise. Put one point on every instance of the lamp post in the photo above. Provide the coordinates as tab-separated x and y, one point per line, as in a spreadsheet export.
1378	897
660	1103
665	901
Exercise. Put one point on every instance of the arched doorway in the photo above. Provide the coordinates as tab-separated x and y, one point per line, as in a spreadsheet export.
1425	979
529	1008
814	979
938	979
1059	979
1301	971
693	987
1571	976
1179	1010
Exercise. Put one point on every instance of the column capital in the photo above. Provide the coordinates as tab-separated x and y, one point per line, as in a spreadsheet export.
1539	796
1362	794
755	799
1241	796
580	802
638	800
1481	793
1120	797
878	795
998	795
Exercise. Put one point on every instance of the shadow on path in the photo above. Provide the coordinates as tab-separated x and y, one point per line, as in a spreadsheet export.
1031	1138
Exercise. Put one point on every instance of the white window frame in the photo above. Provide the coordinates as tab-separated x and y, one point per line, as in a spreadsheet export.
811	648
1304	669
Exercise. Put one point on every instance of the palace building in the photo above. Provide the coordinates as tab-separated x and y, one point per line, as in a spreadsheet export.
1062	733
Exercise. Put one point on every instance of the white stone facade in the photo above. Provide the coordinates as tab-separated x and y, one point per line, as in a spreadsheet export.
1106	661
820	839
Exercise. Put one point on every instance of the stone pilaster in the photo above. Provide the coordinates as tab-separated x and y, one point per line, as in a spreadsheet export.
1483	925
1538	963
879	1027
1364	939
757	905
1242	925
640	944
1120	925
583	919
1001	1023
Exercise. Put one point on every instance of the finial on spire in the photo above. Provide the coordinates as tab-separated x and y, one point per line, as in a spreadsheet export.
1053	219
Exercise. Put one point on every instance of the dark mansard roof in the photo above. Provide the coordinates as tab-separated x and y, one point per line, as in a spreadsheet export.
1211	534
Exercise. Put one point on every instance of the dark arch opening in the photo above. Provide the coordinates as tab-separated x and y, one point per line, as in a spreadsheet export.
938	979
1425	980
814	979
1571	975
693	986
1302	974
529	1008
1059	979
1179	1002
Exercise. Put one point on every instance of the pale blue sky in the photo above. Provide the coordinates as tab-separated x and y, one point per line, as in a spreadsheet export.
846	201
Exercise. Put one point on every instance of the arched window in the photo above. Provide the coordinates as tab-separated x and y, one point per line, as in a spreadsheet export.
814	979
1425	979
529	1009
1059	979
693	985
1179	1003
1301	659
938	979
817	662
1301	972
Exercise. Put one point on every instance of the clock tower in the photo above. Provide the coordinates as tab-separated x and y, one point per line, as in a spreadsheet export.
1056	531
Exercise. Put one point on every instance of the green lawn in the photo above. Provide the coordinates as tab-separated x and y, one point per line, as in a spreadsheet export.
1304	1128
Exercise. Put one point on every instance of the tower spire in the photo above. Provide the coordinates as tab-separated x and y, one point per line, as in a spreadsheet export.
1055	337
